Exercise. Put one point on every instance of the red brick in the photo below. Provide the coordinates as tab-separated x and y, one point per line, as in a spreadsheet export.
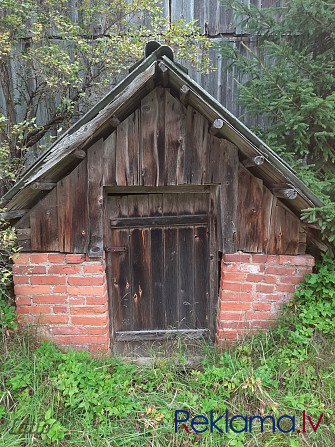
236	296
60	289
87	291
38	258
230	306
263	323
49	299
99	348
53	319
84	281
262	306
21	279
268	297
56	258
280	270
31	290
265	288
75	301
64	269
260	259
91	310
74	259
256	315
96	300
94	268
63	339
48	280
229	316
89	339
93	259
242	287
233	276
291	279
285	288
69	330
23	300
30	270
90	321
25	319
97	330
21	259
297	260
33	310
239	325
253	277
272	259
60	309
237	257
226	334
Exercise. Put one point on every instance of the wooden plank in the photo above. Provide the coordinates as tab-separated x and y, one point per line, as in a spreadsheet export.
15	214
171	269
196	147
23	234
157	265
229	198
118	268
214	261
109	165
127	151
95	199
43	224
160	334
79	208
153	138
141	278
284	237
175	114
250	213
64	199
158	221
201	274
268	200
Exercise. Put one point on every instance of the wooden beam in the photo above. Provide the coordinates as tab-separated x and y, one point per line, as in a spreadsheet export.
184	94
164	71
253	161
79	153
10	215
23	233
284	191
158	221
43	186
216	126
159	334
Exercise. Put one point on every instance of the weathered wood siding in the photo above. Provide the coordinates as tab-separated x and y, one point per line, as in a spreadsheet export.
162	144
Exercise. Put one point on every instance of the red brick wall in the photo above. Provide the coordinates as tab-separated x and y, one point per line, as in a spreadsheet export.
66	296
253	289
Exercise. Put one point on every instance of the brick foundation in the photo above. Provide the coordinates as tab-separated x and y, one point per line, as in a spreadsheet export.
65	296
253	289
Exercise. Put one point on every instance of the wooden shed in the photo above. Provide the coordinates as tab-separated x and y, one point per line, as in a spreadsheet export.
157	214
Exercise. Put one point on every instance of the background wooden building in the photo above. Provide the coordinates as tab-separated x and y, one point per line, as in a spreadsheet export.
125	220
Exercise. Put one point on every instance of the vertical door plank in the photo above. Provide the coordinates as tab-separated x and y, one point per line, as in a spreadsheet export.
119	267
201	273
109	164
186	265
175	114
171	277
141	273
95	198
43	223
157	267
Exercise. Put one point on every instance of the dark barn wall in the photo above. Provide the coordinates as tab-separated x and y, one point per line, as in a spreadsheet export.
163	143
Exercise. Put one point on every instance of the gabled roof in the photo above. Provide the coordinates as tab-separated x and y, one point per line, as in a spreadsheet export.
157	67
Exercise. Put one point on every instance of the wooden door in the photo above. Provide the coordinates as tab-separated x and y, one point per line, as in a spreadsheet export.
159	264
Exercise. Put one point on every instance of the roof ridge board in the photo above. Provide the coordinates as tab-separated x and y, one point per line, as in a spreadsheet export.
255	142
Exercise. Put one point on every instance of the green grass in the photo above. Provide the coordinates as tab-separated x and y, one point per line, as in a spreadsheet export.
70	399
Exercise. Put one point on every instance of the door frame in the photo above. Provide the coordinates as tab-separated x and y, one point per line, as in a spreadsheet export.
213	192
